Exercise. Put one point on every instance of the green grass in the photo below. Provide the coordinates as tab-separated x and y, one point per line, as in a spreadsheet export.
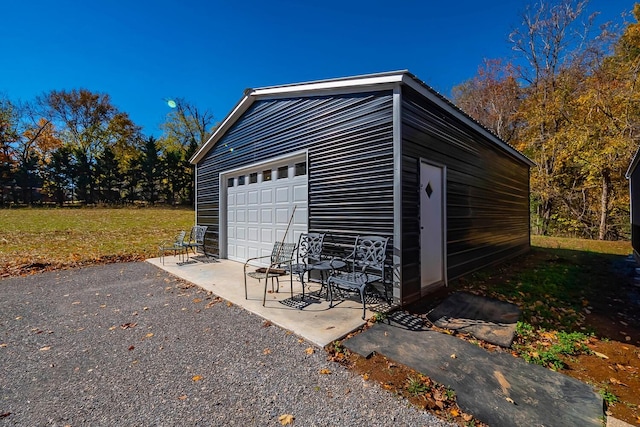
619	247
556	280
67	237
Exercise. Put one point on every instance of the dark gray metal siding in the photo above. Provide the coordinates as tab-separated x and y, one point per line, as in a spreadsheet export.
634	189
487	193
350	155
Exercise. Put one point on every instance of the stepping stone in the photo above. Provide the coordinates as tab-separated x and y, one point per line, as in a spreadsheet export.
496	388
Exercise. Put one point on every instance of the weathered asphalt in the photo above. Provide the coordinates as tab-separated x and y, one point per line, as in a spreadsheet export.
128	344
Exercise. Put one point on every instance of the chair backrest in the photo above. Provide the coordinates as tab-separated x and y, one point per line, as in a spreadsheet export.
179	239
282	252
310	247
370	252
197	233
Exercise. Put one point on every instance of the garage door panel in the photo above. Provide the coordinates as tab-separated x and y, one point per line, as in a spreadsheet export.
241	233
252	216
241	199
252	234
253	197
266	235
266	216
300	193
282	216
241	252
266	195
300	216
282	195
241	216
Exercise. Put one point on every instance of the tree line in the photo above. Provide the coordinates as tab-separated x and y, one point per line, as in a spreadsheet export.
569	99
76	147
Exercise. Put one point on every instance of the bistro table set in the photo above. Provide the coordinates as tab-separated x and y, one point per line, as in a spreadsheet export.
362	265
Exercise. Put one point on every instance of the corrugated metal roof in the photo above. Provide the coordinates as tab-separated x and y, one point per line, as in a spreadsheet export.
367	82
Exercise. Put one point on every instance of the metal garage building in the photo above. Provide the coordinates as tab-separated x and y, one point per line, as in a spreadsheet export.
375	154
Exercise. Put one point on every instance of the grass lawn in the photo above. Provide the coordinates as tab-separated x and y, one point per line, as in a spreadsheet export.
36	239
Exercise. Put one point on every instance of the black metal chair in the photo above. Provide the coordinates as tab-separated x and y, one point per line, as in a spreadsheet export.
176	246
281	258
196	239
309	252
367	266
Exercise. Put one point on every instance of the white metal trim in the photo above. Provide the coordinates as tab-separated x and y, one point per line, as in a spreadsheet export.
397	190
333	85
231	118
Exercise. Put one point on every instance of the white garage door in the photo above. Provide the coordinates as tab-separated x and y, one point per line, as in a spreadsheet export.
260	201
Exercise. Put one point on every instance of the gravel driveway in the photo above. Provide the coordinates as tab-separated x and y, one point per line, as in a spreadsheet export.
128	344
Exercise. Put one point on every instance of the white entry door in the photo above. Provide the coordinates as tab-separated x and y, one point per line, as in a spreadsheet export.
432	226
260	204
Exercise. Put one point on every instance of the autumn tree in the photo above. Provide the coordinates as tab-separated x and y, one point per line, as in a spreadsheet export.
186	128
8	136
89	123
492	97
548	41
607	125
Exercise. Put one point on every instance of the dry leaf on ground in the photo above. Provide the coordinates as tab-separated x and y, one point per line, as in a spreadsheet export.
286	419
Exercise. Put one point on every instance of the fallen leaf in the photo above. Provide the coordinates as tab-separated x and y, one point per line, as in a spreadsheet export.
453	356
266	323
229	303
510	400
309	350
454	412
325	371
128	325
286	419
467	417
149	335
5	414
196	378
266	351
600	355
45	348
145	308
615	381
75	303
183	397
197	300
131	348
365	376
3	345
103	305
112	328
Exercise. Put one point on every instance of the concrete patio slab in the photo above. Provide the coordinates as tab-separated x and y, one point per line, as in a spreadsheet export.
316	322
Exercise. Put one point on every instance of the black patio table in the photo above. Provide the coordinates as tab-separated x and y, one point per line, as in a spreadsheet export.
324	267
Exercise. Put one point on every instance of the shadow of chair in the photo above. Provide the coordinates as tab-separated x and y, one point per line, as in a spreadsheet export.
366	266
177	246
280	262
309	252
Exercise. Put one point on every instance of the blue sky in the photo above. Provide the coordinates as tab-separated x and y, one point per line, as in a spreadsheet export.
142	52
